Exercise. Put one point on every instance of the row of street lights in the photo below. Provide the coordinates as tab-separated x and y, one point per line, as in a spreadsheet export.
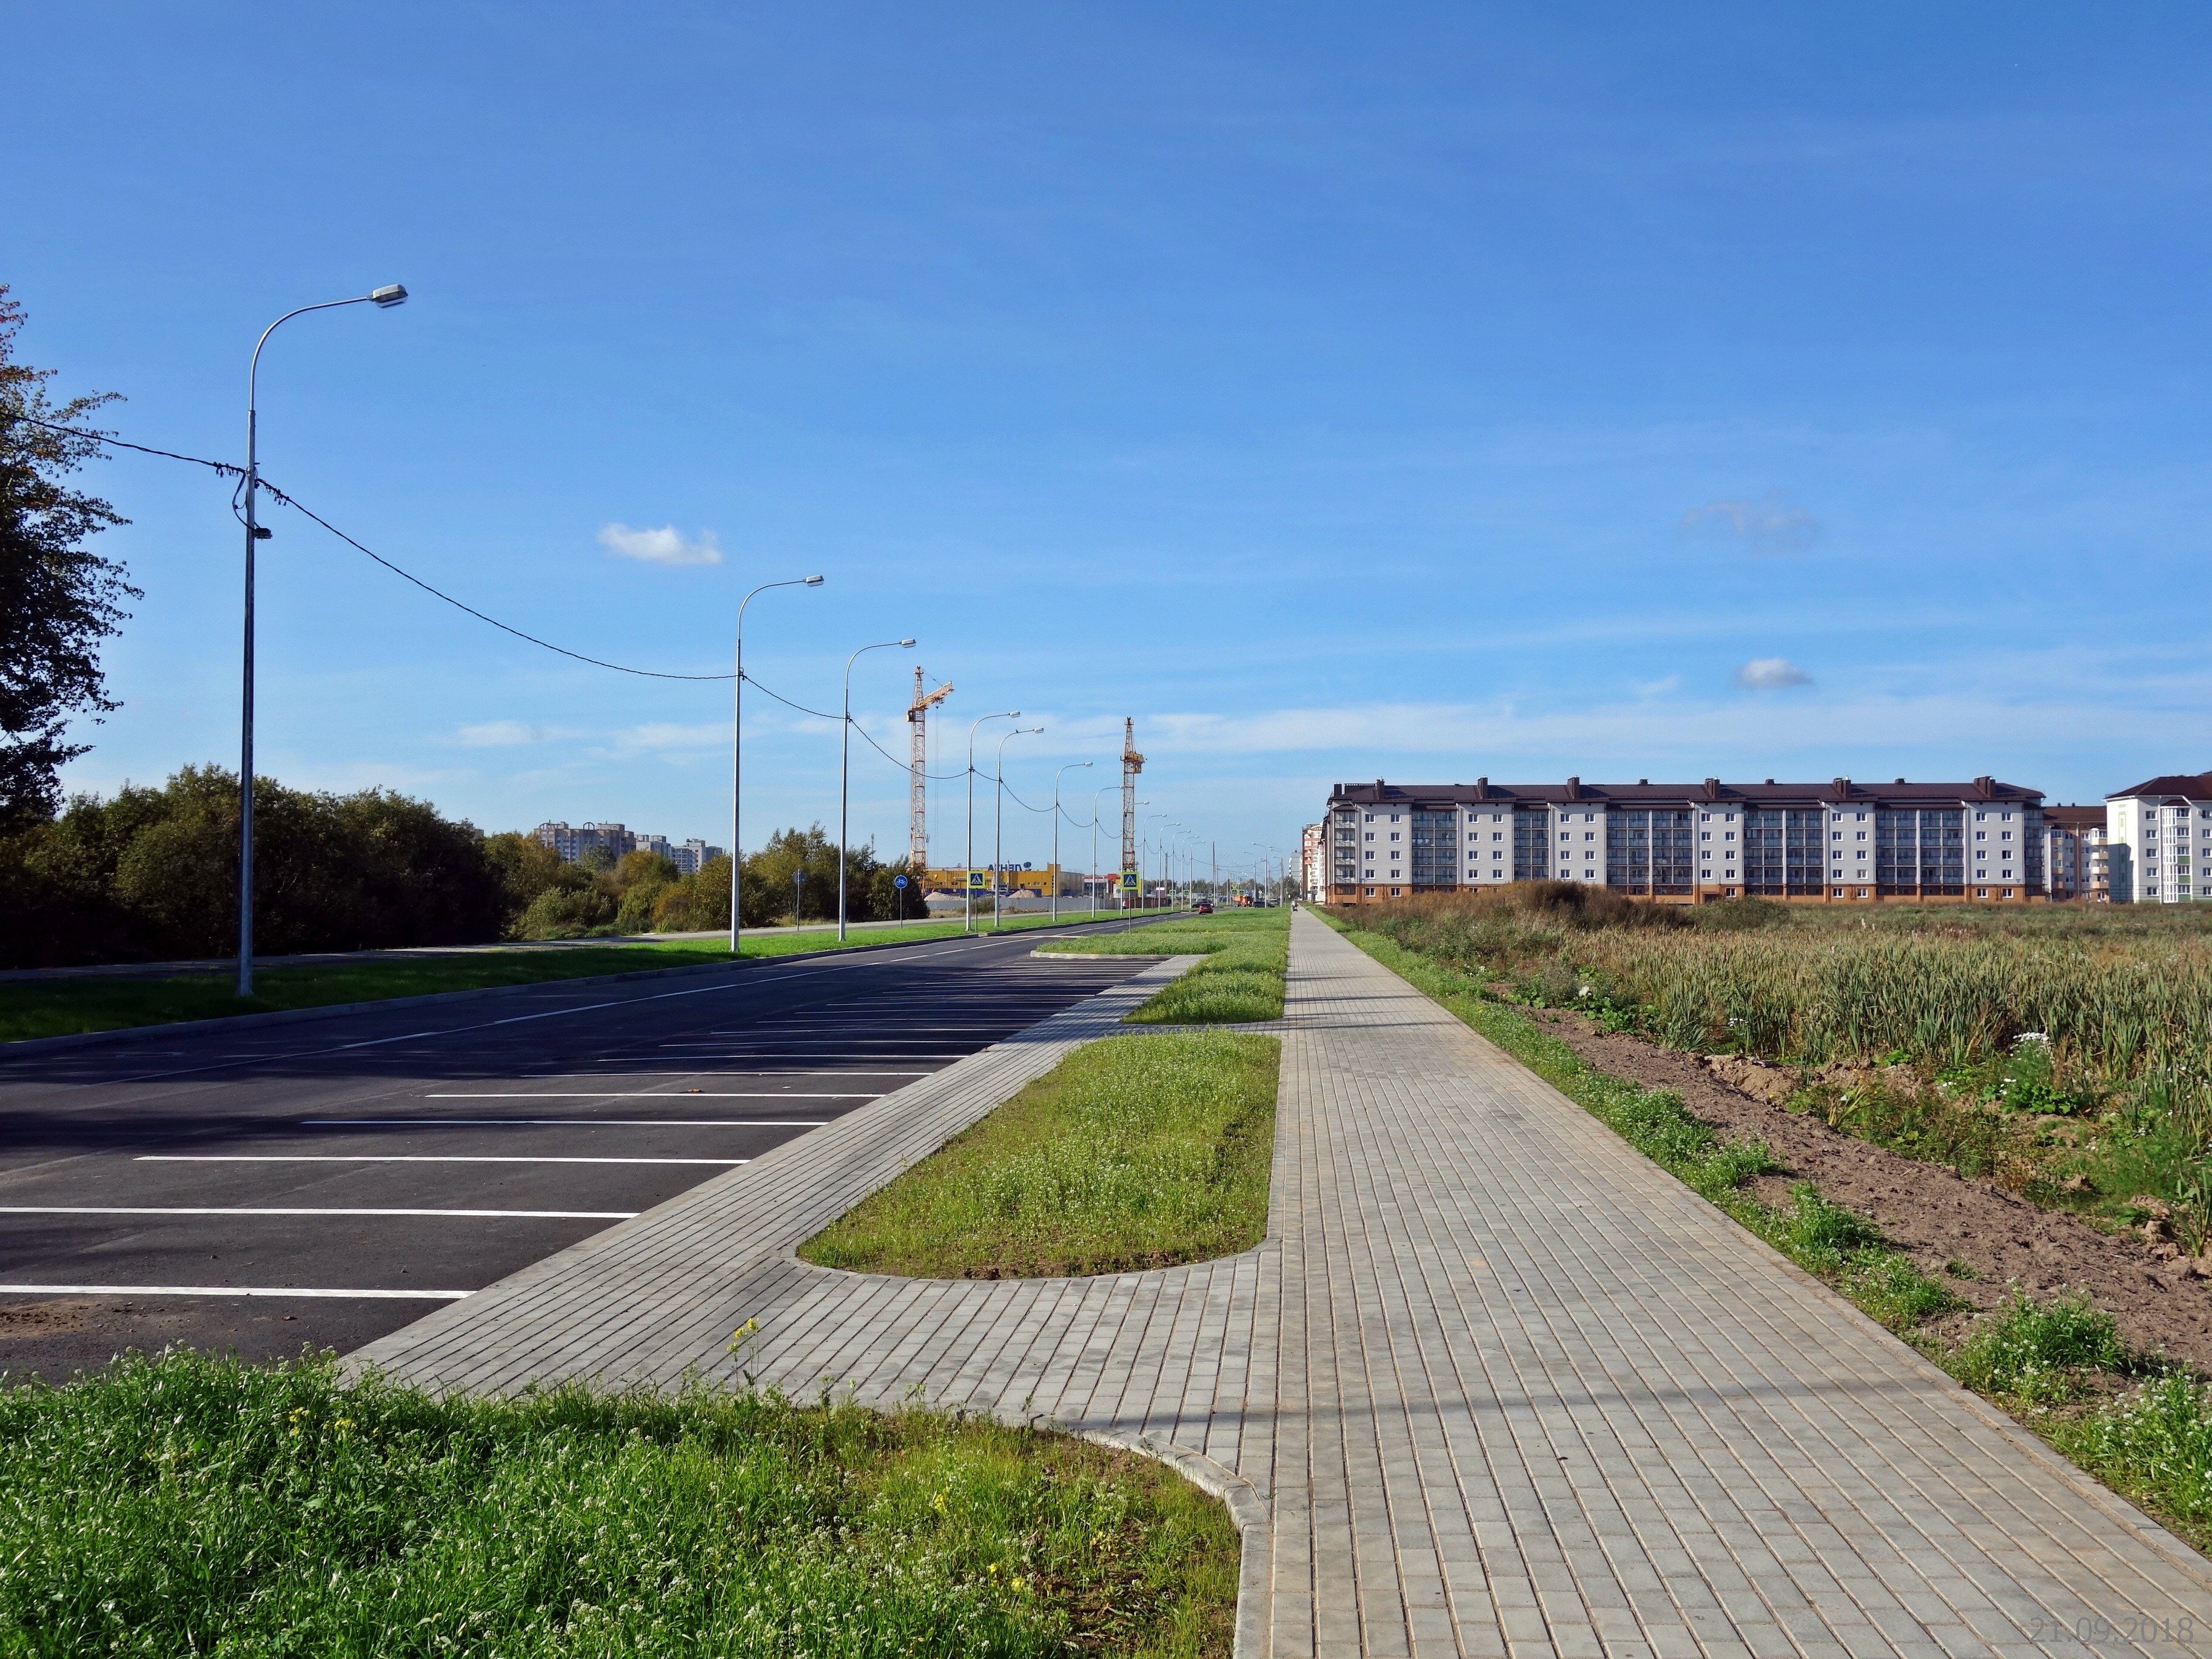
385	298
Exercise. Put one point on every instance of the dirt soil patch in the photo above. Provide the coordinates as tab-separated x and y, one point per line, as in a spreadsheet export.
1933	1215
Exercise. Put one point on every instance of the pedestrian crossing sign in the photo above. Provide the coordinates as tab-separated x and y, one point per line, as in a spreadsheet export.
1128	881
978	880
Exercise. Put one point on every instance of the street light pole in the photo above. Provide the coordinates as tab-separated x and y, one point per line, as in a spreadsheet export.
1070	767
384	298
999	833
967	868
1094	843
736	746
844	763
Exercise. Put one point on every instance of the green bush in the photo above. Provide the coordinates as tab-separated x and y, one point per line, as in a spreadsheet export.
151	874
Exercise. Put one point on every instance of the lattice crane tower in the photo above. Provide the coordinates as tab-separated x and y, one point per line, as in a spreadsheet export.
1132	763
917	817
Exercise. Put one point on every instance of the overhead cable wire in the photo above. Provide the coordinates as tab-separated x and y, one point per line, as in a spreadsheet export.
228	470
223	467
504	628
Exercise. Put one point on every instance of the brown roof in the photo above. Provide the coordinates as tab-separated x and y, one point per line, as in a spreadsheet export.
2074	817
2198	788
1835	792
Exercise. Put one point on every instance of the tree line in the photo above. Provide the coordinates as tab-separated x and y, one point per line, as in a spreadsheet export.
151	874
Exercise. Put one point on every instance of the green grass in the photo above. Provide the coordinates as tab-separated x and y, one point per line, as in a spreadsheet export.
1134	1152
2035	1352
2039	1359
1240	979
191	1505
2154	1444
57	1007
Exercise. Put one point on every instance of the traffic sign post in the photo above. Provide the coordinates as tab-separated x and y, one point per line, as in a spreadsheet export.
899	882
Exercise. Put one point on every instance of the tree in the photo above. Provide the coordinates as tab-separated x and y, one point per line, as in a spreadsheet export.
58	599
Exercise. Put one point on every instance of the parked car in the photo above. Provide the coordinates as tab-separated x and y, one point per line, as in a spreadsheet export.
1203	908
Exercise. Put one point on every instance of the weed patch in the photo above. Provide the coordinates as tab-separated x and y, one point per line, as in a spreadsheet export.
2155	1445
2037	1352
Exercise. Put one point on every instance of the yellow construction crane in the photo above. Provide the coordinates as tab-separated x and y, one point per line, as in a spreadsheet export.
1132	763
917	827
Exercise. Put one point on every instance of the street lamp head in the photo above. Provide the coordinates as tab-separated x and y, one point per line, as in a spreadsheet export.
909	644
391	294
813	581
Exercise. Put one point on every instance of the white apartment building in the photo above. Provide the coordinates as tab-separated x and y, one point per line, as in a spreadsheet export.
2159	840
1841	841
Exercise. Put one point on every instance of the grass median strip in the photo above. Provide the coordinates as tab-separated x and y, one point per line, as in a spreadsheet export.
1134	1152
192	1504
2142	1425
67	1006
1241	979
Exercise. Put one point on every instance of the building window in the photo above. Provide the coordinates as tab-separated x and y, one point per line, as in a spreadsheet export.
1981	892
1371	892
2007	892
1395	893
1861	892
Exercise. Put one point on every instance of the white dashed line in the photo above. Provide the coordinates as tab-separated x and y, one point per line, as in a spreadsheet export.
229	1290
319	1158
569	1122
522	1215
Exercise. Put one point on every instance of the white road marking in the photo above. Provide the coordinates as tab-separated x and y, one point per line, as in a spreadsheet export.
228	1290
524	1215
588	1122
559	1077
663	1094
319	1158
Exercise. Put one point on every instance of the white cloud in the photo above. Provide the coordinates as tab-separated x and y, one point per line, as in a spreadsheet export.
664	737
1772	674
500	734
1771	526
661	546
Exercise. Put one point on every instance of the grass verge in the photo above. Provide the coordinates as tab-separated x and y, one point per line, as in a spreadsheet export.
1132	1154
192	1504
2056	1365
61	1007
1240	979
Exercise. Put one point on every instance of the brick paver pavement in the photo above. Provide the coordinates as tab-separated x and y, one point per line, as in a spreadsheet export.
1494	1384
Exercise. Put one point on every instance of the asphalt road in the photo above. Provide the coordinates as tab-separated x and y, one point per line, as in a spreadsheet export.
320	1184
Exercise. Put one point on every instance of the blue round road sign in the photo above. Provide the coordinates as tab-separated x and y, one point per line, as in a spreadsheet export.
898	881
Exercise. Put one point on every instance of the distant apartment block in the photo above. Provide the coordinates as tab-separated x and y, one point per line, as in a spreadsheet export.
2076	860
615	839
1836	843
1313	862
2159	840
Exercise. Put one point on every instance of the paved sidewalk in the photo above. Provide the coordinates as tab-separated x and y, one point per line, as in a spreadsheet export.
1494	1384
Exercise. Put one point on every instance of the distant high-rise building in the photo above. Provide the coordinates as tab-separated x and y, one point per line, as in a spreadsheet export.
616	840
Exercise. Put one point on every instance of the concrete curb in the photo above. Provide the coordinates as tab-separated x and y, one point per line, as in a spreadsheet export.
431	998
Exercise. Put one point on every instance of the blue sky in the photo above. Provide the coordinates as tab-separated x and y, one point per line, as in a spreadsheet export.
1423	392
